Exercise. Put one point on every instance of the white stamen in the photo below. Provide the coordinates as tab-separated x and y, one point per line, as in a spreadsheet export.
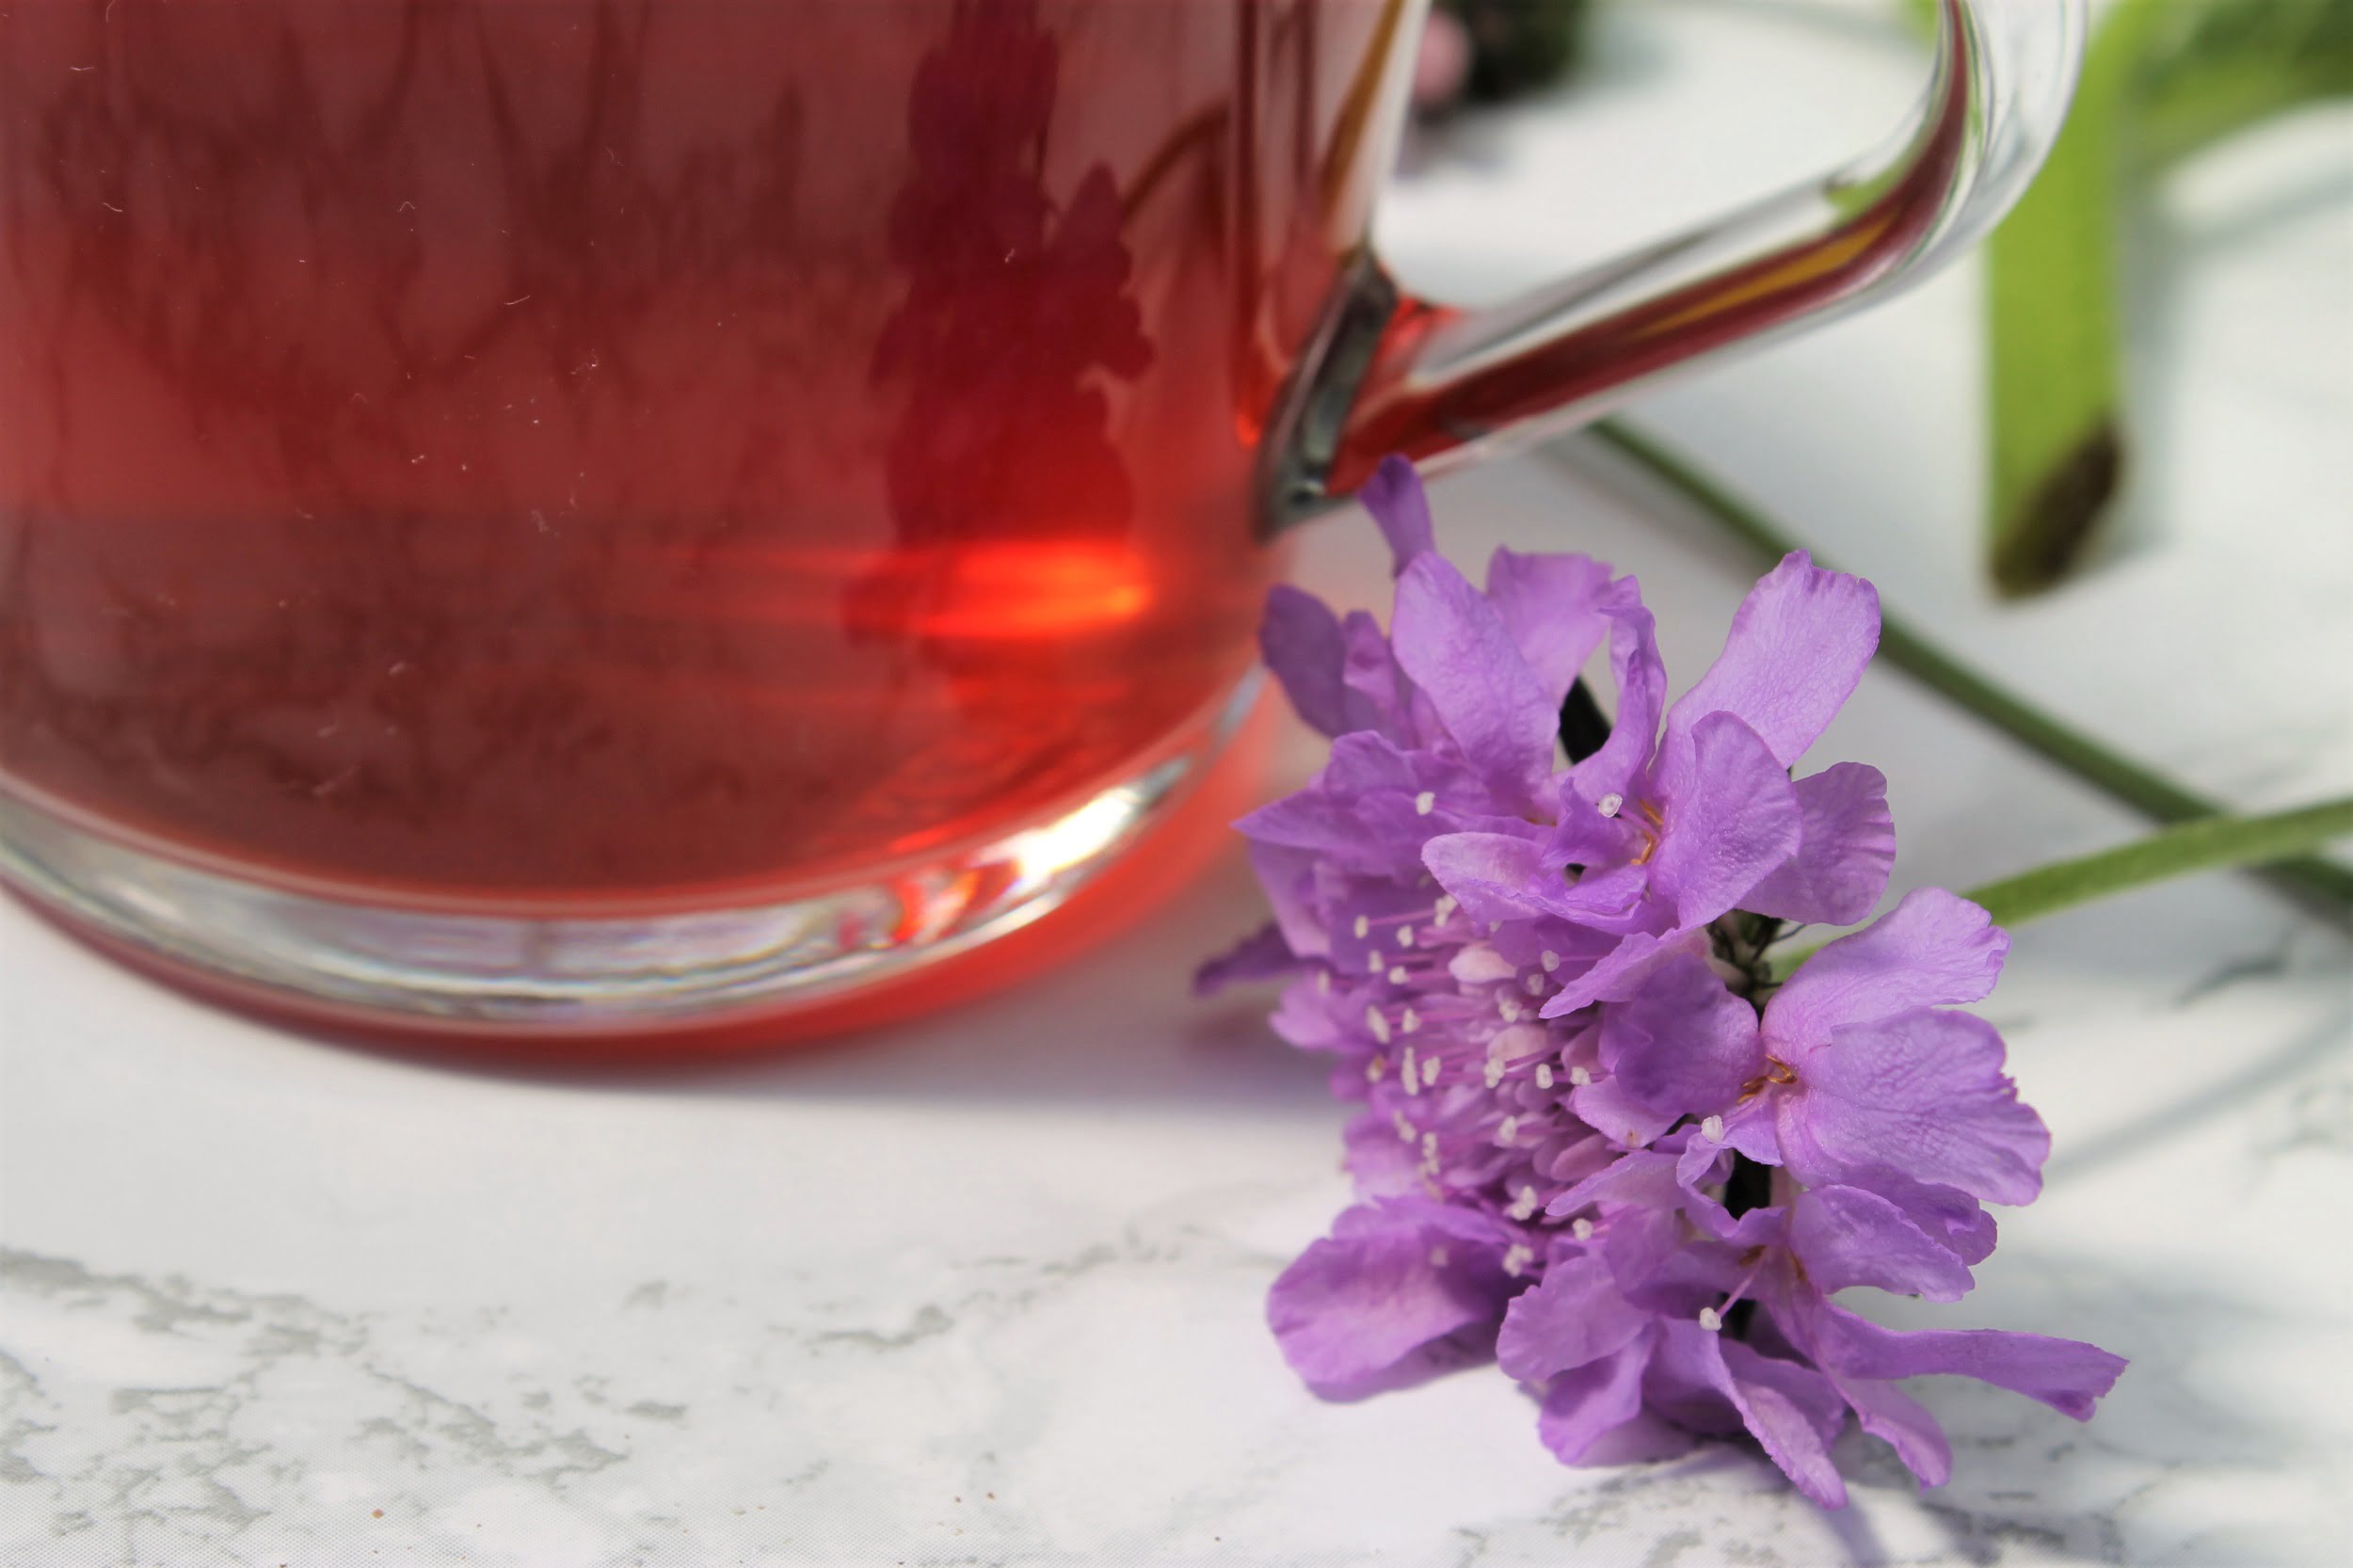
1579	1077
1544	1075
1524	1206
1711	1320
1550	960
1510	1008
1495	1074
1424	803
1480	965
1323	980
1405	935
1581	1229
1364	926
1372	962
1516	1258
1518	1041
1533	985
1494	926
1713	1129
1396	975
1411	1077
1408	1021
1509	1133
1379	1024
1444	909
1376	1068
1608	804
1428	1071
1405	1133
1437	1258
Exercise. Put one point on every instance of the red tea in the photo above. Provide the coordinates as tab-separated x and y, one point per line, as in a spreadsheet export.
602	449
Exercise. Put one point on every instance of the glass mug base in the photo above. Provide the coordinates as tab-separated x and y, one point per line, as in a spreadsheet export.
821	959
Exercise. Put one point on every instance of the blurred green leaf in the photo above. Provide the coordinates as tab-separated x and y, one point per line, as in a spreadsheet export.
2162	79
2055	353
2218	66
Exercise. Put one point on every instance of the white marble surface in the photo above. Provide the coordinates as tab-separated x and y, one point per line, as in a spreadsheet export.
986	1288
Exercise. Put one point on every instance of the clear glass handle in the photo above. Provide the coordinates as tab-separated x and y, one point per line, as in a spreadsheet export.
1392	373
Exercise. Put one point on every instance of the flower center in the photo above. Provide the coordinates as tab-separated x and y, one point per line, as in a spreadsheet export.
1776	1071
1650	827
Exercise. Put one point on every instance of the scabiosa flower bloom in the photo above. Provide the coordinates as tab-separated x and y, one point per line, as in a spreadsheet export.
1598	1139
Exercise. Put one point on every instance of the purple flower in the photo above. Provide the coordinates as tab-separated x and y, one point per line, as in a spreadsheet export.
1671	827
1866	1069
1598	1139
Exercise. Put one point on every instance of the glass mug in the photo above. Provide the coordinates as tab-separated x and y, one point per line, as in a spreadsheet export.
574	517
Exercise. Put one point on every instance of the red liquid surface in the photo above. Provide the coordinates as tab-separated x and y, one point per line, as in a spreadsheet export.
587	450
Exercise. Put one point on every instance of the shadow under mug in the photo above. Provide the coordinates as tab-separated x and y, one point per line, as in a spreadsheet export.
559	517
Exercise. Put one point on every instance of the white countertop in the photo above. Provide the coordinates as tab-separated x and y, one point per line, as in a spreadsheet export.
986	1288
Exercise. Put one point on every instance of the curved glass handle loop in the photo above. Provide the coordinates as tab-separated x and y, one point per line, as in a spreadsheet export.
1391	373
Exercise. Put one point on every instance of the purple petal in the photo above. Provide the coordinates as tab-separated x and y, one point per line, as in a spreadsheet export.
1379	695
1609	1109
1641	680
1750	1130
1814	1397
1320	823
1395	498
1624	971
1442	1221
1946	1215
1288	878
1490	874
1551	606
1582	835
2065	1374
1922	1092
1844	1236
1299	638
1641	1245
1364	760
1846	848
1591	1413
1572	1316
1732	818
1303	1017
1933	950
1261	956
1646	1178
1350	1308
1776	1408
1797	646
1684	1043
1601	900
1380	1165
1453	645
1888	1413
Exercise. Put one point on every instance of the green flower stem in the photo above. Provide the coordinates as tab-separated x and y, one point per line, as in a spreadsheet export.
2323	889
2179	850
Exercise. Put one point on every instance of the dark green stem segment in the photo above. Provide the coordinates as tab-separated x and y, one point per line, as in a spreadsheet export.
2319	886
